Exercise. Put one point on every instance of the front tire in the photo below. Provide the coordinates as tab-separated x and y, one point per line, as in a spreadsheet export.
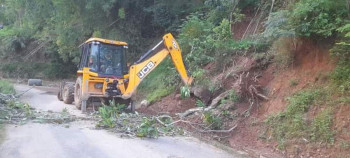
78	93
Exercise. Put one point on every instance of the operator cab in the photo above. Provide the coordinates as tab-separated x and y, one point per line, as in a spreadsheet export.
107	58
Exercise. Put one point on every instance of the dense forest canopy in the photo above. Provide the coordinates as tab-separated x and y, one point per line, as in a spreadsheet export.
62	25
55	28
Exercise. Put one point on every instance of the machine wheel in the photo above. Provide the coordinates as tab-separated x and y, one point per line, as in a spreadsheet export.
132	106
78	100
67	95
77	93
59	95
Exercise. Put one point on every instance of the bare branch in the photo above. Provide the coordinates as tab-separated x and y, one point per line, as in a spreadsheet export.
219	131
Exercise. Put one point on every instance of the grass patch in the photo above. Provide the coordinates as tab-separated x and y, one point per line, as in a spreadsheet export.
293	122
293	82
321	126
6	87
160	82
341	78
159	93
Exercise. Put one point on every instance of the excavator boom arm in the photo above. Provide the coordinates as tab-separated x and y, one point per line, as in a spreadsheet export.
144	66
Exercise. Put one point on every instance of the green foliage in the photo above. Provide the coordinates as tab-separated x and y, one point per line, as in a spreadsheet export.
14	39
341	77
148	128
22	69
292	123
65	24
160	82
109	114
341	74
293	82
318	17
200	103
185	92
159	93
277	26
222	9
282	49
19	105
65	112
203	41
55	69
6	87
321	127
233	96
121	13
301	101
213	122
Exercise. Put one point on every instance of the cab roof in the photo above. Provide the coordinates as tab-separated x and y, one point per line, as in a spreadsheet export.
107	41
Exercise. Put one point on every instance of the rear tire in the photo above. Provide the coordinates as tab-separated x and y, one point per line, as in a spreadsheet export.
68	96
77	93
60	91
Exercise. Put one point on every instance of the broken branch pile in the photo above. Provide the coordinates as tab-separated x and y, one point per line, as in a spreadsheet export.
13	111
137	125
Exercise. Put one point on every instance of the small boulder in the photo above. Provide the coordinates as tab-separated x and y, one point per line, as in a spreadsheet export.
144	103
202	93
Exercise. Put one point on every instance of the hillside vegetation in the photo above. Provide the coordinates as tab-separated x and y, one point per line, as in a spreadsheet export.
236	51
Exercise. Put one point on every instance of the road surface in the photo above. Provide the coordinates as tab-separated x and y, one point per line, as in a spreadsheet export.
34	140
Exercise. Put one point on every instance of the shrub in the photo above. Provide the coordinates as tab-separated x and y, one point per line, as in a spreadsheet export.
148	128
293	82
213	122
23	69
200	103
185	92
318	18
6	87
283	52
341	74
109	114
277	26
233	96
206	42
14	39
341	77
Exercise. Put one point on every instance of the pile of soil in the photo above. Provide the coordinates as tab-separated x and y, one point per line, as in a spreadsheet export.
171	105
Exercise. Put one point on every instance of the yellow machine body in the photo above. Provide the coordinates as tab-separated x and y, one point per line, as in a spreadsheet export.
128	84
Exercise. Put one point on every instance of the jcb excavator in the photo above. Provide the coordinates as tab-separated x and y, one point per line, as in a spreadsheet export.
103	73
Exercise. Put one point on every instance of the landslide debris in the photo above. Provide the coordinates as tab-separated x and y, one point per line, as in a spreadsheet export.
12	111
114	118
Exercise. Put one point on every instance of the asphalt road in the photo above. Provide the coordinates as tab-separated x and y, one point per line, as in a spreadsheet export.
80	140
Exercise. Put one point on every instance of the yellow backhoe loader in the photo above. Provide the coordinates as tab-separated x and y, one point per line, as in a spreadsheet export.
103	73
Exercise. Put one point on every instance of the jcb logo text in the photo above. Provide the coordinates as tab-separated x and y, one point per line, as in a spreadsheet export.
145	70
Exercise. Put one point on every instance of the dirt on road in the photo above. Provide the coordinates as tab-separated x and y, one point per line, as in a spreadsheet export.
81	139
